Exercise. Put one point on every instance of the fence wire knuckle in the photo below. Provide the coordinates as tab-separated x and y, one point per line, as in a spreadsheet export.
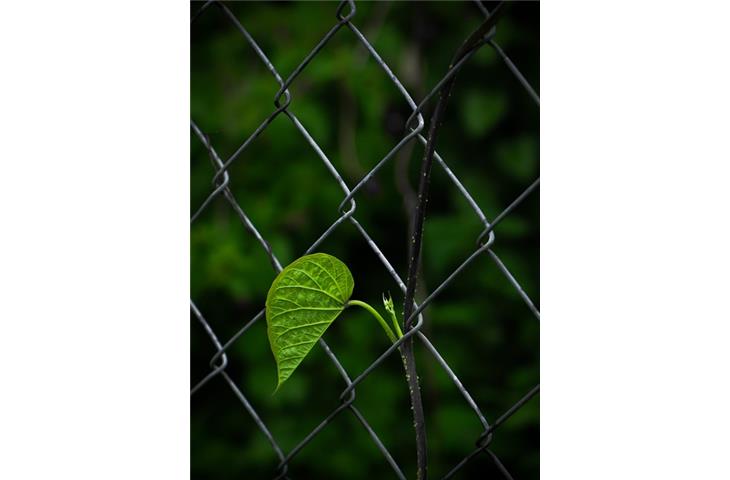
220	180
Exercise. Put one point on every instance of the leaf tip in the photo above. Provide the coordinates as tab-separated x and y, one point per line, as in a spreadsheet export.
388	303
279	383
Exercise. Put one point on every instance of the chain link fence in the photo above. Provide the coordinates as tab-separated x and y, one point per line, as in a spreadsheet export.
344	15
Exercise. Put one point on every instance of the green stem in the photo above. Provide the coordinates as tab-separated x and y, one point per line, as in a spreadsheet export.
377	316
395	323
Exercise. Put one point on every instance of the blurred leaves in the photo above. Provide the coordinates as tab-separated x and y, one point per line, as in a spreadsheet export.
481	111
518	158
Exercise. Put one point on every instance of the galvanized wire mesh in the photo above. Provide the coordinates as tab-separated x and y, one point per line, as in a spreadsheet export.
344	14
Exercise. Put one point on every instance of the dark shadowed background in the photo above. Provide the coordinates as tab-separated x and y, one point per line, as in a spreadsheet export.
479	323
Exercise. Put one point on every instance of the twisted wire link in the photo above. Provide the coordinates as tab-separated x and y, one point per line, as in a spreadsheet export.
220	180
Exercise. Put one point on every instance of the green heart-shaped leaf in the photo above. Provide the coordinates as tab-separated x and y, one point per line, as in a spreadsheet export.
303	301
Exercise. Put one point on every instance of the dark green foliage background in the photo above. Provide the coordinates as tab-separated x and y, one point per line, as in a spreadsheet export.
479	323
